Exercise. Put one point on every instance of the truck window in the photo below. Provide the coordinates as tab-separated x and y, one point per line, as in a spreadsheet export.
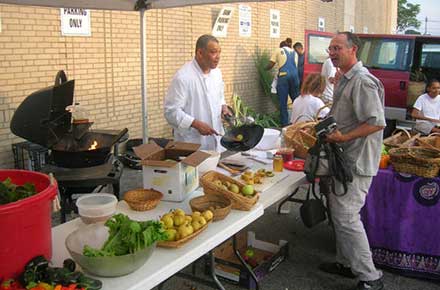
388	54
430	56
317	46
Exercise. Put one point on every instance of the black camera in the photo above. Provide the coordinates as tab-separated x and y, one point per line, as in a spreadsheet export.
325	127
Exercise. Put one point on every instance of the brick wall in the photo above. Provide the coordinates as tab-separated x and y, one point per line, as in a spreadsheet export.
106	66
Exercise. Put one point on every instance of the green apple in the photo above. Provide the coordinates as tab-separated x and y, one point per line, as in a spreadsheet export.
247	190
250	253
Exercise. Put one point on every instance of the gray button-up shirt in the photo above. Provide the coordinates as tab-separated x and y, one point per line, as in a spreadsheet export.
359	98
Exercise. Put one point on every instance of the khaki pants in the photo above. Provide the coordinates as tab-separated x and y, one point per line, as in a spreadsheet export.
352	247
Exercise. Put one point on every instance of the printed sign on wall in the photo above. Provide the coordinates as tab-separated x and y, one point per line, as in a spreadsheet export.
321	24
75	22
221	24
245	21
275	23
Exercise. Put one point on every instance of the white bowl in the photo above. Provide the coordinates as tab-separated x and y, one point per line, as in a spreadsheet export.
96	207
269	139
209	163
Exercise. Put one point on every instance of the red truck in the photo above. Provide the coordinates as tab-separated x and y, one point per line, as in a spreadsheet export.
402	62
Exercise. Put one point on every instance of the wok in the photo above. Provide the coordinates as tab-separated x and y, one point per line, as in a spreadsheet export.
67	153
251	133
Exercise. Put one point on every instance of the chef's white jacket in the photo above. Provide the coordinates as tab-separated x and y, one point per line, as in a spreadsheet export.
195	95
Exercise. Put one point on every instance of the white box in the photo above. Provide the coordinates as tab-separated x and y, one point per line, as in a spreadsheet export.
171	170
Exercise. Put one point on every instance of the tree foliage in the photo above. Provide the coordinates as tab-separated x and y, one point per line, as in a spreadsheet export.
412	31
406	15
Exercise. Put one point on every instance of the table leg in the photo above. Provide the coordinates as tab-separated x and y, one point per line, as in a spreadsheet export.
243	262
212	269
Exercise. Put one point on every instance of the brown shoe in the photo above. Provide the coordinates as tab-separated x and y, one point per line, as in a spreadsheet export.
337	269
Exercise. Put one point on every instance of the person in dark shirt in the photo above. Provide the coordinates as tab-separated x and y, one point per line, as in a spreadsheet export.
299	49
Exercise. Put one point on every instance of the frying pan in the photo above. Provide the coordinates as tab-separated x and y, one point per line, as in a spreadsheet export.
252	134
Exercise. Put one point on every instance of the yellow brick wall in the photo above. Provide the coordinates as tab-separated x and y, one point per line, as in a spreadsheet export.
106	66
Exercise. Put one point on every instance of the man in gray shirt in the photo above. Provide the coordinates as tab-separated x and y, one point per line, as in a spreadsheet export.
358	108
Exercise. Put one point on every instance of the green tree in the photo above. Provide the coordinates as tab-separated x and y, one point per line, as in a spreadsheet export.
406	15
412	31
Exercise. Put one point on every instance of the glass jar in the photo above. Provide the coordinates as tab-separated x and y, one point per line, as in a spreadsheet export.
277	163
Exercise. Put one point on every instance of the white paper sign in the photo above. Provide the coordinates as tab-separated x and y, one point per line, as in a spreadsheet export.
245	20
321	24
365	30
75	22
220	28
275	23
351	29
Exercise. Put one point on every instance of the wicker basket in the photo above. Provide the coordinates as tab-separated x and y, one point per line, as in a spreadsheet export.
419	161
299	140
181	242
432	141
239	201
400	138
142	199
219	205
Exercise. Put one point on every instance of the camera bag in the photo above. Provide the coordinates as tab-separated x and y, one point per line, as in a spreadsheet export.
312	211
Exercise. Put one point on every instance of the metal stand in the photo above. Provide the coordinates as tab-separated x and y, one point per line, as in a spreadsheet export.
290	198
215	283
243	262
77	180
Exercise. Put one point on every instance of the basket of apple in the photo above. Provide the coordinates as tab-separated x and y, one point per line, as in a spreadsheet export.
243	196
181	228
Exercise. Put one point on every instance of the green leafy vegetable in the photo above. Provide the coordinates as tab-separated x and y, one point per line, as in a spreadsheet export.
10	192
127	236
384	150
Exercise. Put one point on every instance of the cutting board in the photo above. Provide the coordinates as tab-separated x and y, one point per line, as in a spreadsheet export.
268	182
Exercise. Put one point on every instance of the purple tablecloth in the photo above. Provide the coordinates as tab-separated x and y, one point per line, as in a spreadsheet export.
402	220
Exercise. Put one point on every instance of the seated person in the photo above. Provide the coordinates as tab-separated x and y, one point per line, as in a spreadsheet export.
426	109
306	106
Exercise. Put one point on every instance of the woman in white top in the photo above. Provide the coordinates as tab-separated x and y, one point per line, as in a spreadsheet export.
426	109
307	105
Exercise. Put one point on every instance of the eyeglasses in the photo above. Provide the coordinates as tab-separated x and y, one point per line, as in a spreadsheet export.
333	49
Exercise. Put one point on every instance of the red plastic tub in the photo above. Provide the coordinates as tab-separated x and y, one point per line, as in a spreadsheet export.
25	225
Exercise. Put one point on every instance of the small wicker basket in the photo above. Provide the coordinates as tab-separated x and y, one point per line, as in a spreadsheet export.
142	199
400	138
182	242
239	201
219	205
432	141
419	161
299	140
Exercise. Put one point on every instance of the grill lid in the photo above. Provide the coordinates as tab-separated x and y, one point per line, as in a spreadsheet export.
42	117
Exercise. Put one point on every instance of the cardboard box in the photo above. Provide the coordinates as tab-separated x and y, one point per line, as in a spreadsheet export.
267	257
171	170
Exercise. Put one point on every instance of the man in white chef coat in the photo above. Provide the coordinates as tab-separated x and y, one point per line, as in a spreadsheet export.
195	103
